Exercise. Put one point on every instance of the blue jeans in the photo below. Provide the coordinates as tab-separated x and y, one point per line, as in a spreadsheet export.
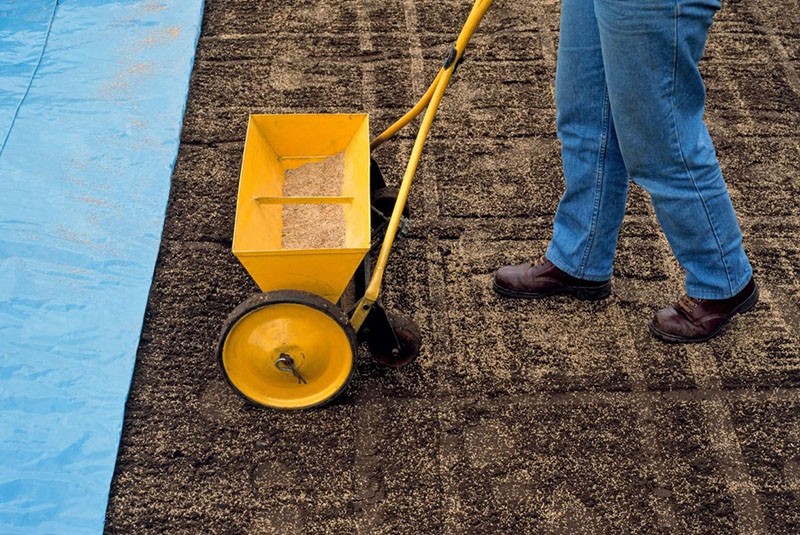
629	103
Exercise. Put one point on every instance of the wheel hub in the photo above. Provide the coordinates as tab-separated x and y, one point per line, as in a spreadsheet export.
285	363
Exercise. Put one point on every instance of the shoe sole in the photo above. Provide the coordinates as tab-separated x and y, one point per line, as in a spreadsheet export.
579	292
746	306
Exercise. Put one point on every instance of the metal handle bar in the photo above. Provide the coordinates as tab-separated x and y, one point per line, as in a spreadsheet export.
434	97
478	9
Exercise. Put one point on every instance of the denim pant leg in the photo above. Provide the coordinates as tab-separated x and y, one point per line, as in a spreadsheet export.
651	49
590	212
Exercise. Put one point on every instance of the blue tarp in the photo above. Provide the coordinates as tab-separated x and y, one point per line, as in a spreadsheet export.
92	95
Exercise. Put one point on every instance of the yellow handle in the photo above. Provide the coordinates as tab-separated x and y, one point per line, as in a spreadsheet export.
430	102
476	14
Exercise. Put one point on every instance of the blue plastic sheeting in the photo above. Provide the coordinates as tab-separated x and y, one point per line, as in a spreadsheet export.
92	95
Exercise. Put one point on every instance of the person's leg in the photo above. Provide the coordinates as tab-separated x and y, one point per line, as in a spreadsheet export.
589	215
650	51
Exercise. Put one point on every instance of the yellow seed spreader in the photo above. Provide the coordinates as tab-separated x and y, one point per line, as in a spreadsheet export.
311	205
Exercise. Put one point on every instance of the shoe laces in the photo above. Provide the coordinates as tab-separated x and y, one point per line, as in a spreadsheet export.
539	261
688	304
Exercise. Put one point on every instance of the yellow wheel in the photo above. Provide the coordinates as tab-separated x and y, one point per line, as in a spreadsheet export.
287	350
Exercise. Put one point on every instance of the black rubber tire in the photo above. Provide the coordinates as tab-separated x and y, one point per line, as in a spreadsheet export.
409	337
311	300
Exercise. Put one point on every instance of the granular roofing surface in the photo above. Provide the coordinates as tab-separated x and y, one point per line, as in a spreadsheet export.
518	417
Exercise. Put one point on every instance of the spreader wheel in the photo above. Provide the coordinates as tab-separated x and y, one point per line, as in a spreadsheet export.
408	338
287	350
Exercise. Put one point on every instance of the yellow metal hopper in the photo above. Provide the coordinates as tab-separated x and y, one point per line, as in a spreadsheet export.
274	145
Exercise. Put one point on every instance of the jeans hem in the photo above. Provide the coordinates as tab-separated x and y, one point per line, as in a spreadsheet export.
738	287
559	262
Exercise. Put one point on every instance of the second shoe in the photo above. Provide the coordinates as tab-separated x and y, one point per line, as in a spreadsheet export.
542	278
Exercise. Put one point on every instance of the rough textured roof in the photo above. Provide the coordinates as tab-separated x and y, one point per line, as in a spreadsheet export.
518	417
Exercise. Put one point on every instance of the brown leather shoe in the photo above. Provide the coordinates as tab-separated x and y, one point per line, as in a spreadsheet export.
697	320
542	278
